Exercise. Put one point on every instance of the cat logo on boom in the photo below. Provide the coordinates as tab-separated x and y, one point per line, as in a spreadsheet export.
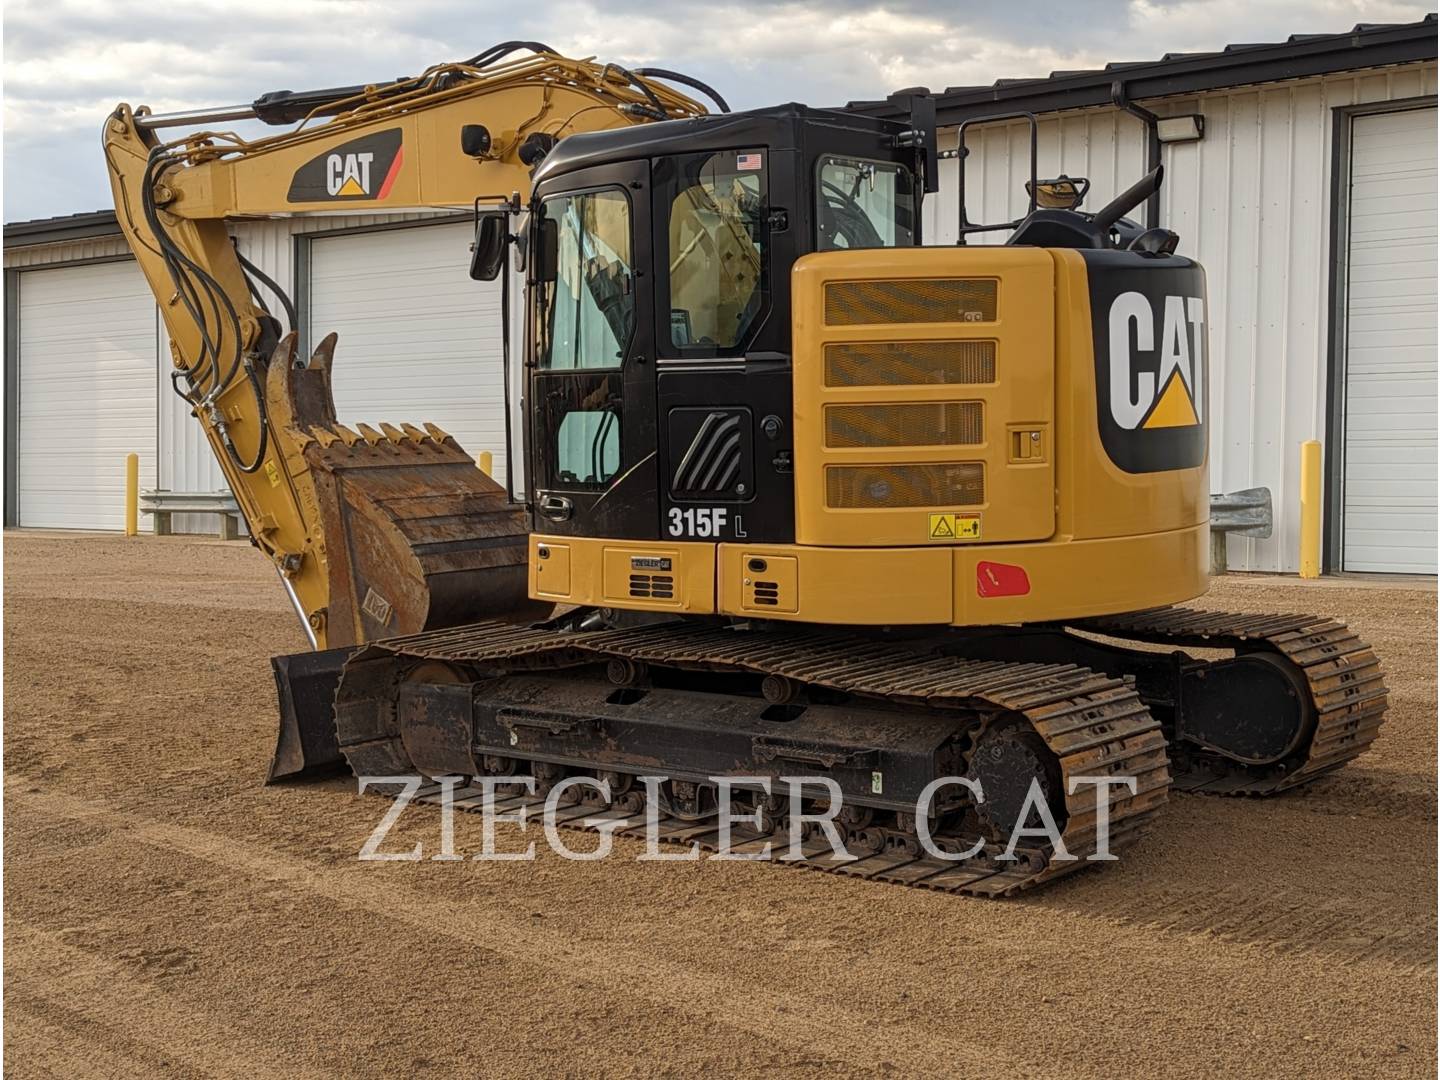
348	174
361	169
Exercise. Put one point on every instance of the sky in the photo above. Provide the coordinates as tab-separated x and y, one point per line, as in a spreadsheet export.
67	63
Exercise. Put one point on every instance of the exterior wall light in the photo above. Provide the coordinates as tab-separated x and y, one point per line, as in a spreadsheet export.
1185	128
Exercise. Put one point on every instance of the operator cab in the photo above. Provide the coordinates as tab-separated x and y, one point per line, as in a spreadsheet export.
658	349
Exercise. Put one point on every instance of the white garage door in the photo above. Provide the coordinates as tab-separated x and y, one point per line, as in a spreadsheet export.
87	393
1390	372
419	340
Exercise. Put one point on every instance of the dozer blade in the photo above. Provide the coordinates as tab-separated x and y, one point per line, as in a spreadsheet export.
416	537
305	685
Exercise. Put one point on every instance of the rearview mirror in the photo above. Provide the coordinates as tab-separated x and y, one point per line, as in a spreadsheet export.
487	253
545	259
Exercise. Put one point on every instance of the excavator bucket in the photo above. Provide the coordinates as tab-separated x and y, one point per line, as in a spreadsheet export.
416	536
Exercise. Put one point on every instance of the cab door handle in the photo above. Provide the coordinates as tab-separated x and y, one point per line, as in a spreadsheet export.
556	507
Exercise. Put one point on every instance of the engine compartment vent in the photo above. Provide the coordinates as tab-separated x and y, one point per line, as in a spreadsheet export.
911	300
940	423
652	586
767	593
864	487
910	363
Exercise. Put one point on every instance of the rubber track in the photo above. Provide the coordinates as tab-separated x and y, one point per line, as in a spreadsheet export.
1347	686
1093	723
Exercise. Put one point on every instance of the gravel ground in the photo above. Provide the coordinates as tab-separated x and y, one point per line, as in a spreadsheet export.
165	914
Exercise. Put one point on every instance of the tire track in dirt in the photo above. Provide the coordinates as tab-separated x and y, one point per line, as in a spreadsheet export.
1324	923
88	993
848	1036
1281	919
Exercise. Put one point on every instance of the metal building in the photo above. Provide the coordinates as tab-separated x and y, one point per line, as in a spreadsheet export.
1301	173
87	357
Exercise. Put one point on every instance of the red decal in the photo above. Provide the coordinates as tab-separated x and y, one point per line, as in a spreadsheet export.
394	172
1001	579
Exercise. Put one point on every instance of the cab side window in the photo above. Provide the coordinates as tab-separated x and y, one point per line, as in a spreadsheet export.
717	266
588	311
585	319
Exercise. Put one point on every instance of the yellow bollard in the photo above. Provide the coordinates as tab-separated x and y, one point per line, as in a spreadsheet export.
487	463
1310	509
132	494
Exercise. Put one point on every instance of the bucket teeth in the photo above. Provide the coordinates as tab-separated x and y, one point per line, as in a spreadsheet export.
324	436
347	435
436	433
369	434
324	354
414	434
299	397
284	354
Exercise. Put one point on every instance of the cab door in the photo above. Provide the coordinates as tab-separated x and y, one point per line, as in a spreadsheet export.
592	382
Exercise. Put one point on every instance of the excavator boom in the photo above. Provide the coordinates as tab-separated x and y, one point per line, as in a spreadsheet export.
374	530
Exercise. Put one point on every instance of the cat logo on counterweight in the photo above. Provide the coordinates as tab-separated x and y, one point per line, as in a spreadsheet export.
1163	398
1148	325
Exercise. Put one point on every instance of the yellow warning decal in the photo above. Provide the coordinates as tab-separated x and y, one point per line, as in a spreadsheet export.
954	527
273	473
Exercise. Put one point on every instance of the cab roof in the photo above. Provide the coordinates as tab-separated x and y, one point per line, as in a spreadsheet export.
778	127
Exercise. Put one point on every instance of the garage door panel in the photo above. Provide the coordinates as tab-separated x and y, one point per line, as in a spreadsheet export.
1390	460
88	393
1391	559
418	339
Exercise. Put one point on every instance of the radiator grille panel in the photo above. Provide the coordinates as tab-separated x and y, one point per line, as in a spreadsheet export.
864	303
850	487
941	423
910	363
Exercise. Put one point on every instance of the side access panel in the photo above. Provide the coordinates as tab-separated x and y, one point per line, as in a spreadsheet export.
924	396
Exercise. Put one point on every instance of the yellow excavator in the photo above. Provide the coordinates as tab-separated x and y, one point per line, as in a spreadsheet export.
803	497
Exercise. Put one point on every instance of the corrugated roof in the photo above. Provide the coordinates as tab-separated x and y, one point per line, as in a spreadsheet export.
1298	56
52	230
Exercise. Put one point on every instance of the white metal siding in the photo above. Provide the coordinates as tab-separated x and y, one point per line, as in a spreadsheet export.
1390	367
87	393
102	247
418	339
1251	201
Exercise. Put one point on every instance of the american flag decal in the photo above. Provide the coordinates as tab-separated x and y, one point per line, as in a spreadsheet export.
749	162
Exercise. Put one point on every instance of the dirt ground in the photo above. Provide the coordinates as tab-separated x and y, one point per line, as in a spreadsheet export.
166	914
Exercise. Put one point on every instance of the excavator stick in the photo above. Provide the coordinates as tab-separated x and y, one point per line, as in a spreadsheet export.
416	537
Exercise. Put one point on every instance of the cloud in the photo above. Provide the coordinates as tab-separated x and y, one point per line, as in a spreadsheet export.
68	62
